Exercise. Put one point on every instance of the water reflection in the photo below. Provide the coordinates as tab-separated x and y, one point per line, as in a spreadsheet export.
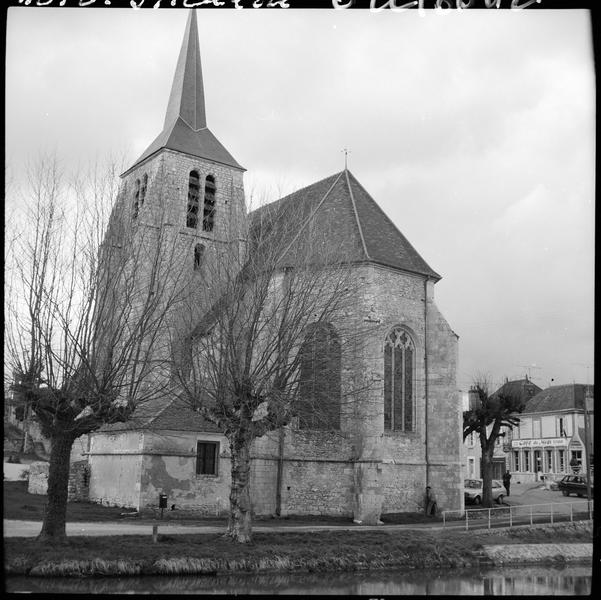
542	580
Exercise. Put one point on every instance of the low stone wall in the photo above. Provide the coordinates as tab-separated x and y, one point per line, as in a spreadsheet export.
501	554
78	480
38	478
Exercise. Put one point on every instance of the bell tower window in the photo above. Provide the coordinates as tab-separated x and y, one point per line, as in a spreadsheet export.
193	200
208	215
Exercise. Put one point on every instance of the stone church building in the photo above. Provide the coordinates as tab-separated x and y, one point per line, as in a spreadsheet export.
409	434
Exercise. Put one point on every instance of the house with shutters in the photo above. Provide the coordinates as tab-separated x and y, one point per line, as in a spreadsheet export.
553	433
405	436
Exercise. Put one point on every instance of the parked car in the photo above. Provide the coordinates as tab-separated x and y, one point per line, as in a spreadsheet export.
472	490
574	484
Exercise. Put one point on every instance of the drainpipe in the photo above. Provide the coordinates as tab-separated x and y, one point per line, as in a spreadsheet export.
426	379
278	488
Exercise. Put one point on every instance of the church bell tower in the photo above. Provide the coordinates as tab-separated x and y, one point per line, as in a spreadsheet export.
182	203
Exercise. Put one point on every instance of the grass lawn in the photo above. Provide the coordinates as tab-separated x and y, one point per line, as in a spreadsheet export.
20	505
269	551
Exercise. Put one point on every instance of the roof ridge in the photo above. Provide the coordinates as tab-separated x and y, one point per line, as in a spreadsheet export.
350	190
158	414
275	203
391	222
308	219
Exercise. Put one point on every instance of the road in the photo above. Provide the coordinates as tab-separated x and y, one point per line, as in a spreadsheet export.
521	495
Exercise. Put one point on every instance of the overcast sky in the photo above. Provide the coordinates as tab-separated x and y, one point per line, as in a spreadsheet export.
474	131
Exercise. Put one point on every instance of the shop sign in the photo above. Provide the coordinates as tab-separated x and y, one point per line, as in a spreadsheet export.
539	443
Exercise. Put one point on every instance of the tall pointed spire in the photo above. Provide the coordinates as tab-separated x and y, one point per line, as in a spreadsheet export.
187	93
185	127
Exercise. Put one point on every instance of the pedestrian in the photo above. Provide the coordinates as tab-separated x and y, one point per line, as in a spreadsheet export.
430	503
507	481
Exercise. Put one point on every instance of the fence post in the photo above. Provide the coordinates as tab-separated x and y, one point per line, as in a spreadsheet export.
571	513
467	512
531	514
489	517
510	519
551	514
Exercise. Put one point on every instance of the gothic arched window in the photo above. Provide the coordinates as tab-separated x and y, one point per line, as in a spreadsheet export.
143	189
399	381
137	199
198	252
319	386
193	199
208	214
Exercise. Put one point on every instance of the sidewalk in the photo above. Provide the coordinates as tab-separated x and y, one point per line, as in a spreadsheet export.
14	528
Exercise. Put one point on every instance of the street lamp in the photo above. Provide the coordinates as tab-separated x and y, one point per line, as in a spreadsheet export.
588	407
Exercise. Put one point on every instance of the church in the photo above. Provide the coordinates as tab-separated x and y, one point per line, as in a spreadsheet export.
408	433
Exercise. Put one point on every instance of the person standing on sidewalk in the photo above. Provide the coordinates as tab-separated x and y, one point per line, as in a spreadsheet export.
430	502
507	481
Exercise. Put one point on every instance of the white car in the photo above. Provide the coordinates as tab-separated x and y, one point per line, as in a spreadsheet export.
472	490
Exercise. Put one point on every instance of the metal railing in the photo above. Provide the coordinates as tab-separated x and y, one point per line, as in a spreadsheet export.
522	514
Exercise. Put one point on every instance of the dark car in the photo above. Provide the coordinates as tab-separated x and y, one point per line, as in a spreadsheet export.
574	484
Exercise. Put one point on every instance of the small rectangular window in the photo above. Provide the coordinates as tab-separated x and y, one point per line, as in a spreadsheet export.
206	458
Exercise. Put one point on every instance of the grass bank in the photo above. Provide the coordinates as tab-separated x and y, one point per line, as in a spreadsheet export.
294	551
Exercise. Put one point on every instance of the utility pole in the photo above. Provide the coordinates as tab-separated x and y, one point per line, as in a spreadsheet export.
588	407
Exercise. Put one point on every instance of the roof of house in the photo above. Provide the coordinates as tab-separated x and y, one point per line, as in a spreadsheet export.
185	127
339	209
558	397
164	414
524	388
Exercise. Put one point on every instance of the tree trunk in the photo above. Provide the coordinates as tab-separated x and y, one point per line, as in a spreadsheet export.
55	514
487	454
239	525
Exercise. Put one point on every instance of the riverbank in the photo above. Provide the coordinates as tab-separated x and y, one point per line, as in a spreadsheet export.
293	551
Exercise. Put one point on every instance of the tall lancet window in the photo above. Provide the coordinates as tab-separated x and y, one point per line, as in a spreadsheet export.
136	199
193	200
399	381
319	385
208	215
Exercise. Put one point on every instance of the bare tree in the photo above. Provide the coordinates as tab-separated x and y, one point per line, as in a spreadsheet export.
490	417
83	314
270	347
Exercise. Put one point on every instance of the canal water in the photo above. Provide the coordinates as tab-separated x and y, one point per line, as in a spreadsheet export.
539	580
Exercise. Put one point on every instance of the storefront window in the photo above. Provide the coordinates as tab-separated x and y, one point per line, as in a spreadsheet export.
550	461
526	460
538	462
516	460
562	460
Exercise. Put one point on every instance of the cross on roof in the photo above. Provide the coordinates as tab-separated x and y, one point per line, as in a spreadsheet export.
346	153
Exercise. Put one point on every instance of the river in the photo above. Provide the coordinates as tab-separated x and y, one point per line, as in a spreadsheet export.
536	580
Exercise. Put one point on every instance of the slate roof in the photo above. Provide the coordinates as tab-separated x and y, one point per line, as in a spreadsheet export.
558	397
164	414
185	127
522	387
340	209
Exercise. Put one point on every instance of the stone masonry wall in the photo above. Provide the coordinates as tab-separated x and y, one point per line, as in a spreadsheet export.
38	478
78	480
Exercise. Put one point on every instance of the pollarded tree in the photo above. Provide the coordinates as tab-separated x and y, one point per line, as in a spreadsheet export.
80	330
271	345
490	415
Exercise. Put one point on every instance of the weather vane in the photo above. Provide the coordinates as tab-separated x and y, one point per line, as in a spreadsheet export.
346	153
